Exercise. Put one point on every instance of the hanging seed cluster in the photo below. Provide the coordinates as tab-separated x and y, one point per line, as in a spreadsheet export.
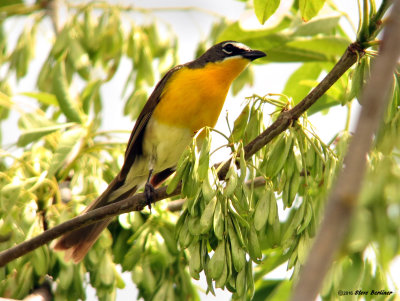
225	225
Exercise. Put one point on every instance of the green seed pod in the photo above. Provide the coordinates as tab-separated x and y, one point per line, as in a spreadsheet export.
185	238
238	254
307	218
194	225
204	159
310	157
240	124
168	236
250	279
181	170
207	189
231	180
219	221
220	282
206	220
302	248
290	164
294	188
209	279
261	210
195	260
243	164
217	262
278	155
241	283
253	245
273	209
106	270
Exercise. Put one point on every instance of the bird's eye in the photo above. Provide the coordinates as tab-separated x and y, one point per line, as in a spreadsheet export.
228	48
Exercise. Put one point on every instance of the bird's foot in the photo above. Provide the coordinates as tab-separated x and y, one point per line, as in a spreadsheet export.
149	192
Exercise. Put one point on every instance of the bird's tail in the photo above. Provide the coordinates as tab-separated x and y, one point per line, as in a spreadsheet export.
78	242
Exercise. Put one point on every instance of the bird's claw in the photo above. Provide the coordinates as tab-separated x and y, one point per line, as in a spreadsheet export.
149	192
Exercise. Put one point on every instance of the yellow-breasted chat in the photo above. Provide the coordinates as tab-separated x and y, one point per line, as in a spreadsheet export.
188	98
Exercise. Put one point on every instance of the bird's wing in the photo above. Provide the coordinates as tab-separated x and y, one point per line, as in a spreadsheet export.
135	143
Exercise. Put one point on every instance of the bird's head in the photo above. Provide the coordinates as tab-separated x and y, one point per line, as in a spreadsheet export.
226	50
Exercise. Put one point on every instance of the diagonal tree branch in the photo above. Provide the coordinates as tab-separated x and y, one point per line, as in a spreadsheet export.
134	203
138	201
344	196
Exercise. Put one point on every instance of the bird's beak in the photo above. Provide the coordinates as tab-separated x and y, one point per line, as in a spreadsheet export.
253	54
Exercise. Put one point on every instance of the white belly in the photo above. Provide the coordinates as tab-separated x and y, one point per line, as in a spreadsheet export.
164	144
162	147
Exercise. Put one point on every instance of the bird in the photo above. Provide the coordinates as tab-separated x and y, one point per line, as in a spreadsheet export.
187	98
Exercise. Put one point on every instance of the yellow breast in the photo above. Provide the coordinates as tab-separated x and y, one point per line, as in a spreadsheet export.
193	98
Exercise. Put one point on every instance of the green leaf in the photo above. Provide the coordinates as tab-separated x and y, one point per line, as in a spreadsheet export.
306	49
294	88
290	54
32	135
310	8
5	102
5	3
79	58
23	52
67	147
240	124
336	95
236	32
265	8
60	87
282	291
61	42
327	45
265	289
43	97
145	74
325	25
45	78
359	77
90	94
135	103
34	120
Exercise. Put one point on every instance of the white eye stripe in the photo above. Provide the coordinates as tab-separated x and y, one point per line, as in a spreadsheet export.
226	51
235	45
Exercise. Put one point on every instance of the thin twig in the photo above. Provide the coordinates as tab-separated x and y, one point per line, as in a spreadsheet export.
344	196
138	201
53	11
